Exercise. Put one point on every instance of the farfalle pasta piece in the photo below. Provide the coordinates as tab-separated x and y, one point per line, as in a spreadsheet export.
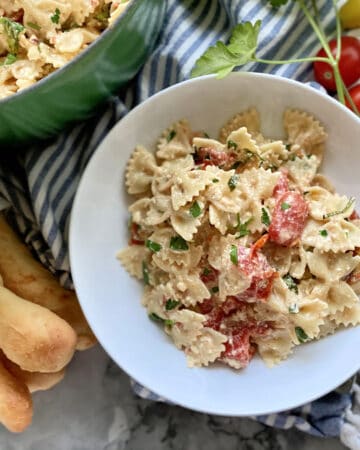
175	142
336	236
202	142
298	262
276	346
140	171
206	348
324	204
249	119
330	266
187	326
322	181
340	296
350	316
304	130
240	141
189	288
273	154
278	257
186	220
309	314
131	259
155	298
302	170
151	211
187	185
220	219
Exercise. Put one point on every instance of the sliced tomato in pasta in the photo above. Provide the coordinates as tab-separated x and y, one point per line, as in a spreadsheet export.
288	219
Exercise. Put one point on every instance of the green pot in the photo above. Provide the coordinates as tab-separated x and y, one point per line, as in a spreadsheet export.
72	92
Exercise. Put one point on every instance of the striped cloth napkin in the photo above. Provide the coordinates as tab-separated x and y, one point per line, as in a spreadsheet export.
39	183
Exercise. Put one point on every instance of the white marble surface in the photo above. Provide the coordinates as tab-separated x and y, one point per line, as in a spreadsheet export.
95	409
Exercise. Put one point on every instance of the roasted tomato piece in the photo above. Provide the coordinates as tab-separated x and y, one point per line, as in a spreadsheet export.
282	185
239	348
288	219
211	157
134	234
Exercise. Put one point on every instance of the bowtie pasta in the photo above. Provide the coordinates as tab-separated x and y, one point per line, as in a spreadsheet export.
40	36
242	246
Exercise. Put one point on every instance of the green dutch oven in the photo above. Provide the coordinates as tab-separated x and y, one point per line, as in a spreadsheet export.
72	92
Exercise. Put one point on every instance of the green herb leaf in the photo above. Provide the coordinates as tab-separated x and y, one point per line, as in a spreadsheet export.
12	30
195	209
232	144
294	309
178	243
156	318
171	304
10	59
171	135
215	289
145	273
215	180
242	228
323	233
234	255
244	40
265	218
342	211
301	335
33	25
285	206
153	246
207	271
217	59
233	182
55	18
290	283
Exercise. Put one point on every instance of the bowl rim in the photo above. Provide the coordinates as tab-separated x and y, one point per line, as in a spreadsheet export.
58	72
96	327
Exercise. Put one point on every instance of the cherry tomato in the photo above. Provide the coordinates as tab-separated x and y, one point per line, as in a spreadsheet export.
355	95
349	64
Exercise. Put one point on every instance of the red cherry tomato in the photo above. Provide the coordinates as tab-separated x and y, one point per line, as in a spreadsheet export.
349	64
355	95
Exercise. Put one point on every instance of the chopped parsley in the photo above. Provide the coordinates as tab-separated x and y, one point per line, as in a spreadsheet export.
12	30
215	180
294	309
206	135
156	318
171	135
323	233
290	283
171	304
285	206
288	147
178	243
153	246
234	255
195	210
242	228
232	144
342	211
206	271
236	165
145	273
215	289
10	59
55	18
34	26
265	218
233	180
301	335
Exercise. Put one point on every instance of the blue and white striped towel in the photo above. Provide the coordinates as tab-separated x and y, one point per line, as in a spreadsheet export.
40	183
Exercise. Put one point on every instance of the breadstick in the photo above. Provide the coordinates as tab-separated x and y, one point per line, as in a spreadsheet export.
32	336
35	381
15	402
27	278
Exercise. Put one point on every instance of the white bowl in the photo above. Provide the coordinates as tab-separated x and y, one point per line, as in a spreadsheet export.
110	298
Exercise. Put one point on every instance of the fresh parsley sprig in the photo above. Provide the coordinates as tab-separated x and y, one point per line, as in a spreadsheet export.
12	31
221	59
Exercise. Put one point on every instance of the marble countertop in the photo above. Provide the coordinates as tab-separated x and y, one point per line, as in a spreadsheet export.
95	409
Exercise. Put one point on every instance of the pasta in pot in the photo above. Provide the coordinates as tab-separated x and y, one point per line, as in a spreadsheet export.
40	36
240	247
